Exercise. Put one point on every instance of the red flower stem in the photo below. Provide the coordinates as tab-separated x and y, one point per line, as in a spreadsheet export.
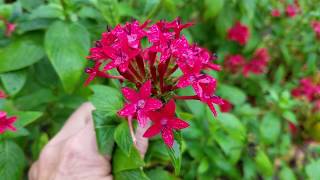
171	71
132	70
186	97
134	140
101	74
153	74
128	76
140	64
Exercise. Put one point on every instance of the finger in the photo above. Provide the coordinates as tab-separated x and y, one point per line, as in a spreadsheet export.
33	172
142	142
75	123
80	155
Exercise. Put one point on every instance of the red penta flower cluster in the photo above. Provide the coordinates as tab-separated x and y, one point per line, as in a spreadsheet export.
2	94
291	10
149	70
316	28
256	65
6	123
275	13
239	33
10	27
309	90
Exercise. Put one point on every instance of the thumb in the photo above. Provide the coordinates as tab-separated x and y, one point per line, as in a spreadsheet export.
141	142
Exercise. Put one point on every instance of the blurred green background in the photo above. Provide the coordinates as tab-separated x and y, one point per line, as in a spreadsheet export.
42	71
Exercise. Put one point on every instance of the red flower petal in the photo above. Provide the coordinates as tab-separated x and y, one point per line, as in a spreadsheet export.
152	131
184	81
170	108
145	90
128	110
177	124
130	94
167	136
152	104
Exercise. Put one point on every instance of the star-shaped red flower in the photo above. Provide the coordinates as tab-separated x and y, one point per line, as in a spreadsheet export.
2	94
239	33
6	122
140	103
164	122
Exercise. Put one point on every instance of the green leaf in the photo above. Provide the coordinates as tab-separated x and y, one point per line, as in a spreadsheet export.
20	53
67	45
232	125
48	11
287	174
135	174
104	132
109	10
312	170
30	4
106	99
38	144
13	81
175	154
26	117
123	138
159	174
212	8
233	94
12	161
123	162
263	163
270	128
204	166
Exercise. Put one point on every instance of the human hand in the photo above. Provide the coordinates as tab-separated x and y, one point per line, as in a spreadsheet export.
73	153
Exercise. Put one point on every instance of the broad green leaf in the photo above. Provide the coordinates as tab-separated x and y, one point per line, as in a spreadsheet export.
212	8
35	24
151	7
104	132
109	10
67	44
106	99
13	81
232	125
270	128
287	174
263	163
123	162
38	144
30	4
312	170
204	166
233	94
175	154
20	131
135	174
21	53
123	138
48	11
159	174
12	161
26	117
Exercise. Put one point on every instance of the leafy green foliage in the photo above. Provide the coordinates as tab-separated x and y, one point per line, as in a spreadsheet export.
123	138
104	132
67	45
13	56
12	160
